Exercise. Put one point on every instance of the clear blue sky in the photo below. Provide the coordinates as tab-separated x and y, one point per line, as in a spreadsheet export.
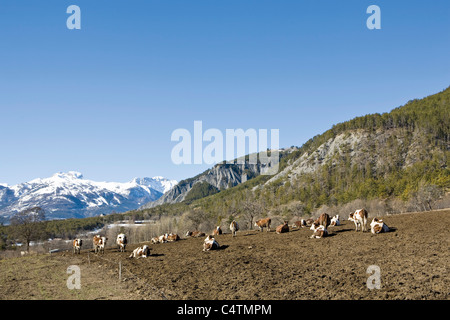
105	99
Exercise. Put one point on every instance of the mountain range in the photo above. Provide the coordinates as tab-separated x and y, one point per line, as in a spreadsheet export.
69	195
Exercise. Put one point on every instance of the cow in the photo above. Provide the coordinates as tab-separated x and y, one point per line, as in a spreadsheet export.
359	217
299	224
323	220
234	227
309	221
335	221
77	243
155	240
282	228
319	231
217	231
140	252
99	243
378	226
171	237
210	244
195	234
263	223
121	242
163	238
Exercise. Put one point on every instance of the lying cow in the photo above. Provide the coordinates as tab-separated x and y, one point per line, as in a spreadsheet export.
210	244
319	231
121	241
171	237
359	217
234	227
195	234
77	245
140	252
263	223
217	231
155	240
378	226
335	221
299	224
99	243
282	228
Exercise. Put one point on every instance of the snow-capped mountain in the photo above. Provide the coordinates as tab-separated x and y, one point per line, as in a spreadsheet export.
68	195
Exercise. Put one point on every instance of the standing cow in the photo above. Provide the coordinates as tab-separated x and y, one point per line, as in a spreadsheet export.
263	223
234	227
121	242
99	243
359	217
77	245
323	220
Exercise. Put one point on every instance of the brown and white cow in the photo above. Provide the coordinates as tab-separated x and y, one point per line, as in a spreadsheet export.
77	243
323	220
163	238
99	243
171	237
155	240
359	217
335	221
217	231
210	244
195	234
378	226
299	224
263	223
121	242
140	252
282	228
319	231
234	227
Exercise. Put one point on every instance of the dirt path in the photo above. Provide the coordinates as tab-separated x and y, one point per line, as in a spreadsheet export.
414	262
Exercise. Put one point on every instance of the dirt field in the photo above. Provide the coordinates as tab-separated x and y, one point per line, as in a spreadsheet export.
414	262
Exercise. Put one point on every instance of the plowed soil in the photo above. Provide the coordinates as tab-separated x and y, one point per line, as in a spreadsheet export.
414	261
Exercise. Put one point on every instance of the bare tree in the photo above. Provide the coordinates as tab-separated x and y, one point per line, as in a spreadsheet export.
27	225
250	209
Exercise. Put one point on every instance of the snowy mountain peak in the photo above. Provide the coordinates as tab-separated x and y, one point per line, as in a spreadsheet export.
158	183
68	195
68	175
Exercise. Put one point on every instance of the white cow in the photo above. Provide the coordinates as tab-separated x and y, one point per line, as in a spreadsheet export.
234	227
320	231
140	252
210	244
359	217
378	226
121	241
335	221
77	245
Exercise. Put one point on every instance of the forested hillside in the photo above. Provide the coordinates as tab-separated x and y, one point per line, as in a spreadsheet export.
400	158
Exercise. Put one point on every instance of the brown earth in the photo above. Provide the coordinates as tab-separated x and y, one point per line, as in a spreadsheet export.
414	260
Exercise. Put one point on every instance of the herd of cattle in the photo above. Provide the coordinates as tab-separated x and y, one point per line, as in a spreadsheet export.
318	226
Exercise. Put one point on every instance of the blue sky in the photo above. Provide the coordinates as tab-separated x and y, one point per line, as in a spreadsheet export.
105	99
